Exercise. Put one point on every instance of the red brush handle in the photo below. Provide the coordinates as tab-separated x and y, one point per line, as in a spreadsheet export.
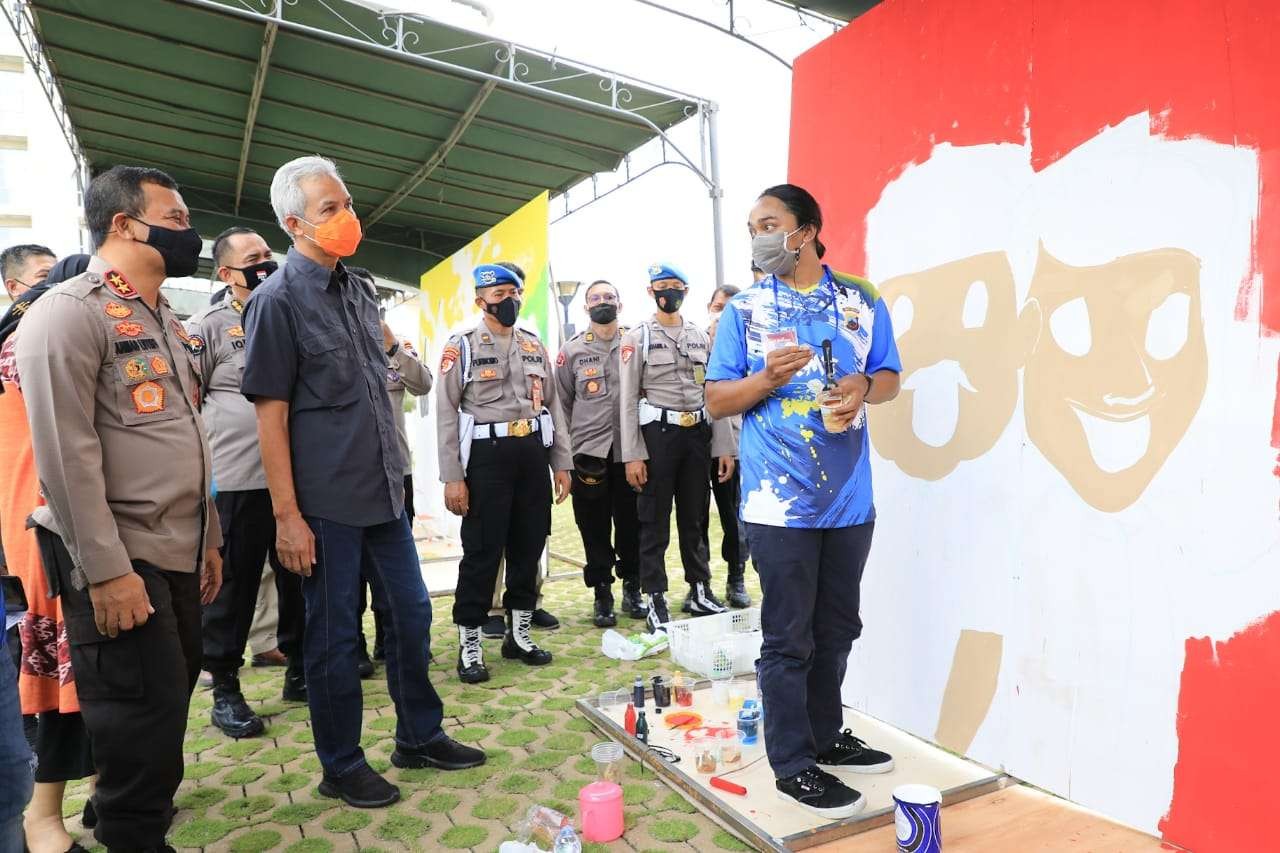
726	785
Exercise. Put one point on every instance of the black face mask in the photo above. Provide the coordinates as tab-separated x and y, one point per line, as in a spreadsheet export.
256	274
179	247
604	313
505	312
669	300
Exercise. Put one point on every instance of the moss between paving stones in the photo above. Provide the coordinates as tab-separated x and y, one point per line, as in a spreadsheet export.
673	830
402	827
546	769
256	841
347	820
725	841
244	775
246	807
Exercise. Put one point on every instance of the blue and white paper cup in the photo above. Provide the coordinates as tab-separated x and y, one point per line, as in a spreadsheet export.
917	812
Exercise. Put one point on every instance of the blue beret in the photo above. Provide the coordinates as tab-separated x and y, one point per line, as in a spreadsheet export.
491	275
660	271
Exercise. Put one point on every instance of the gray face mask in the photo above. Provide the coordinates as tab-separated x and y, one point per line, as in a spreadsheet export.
771	254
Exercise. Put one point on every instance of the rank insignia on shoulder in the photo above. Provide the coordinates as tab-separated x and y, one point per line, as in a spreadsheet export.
159	366
560	359
447	357
120	285
148	398
235	332
627	351
589	337
237	306
118	311
528	346
129	329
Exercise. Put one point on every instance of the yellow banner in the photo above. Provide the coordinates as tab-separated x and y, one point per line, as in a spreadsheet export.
448	291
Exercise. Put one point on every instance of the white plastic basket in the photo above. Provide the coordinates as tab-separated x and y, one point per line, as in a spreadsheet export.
718	646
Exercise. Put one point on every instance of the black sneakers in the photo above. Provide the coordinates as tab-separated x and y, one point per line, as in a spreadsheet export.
364	666
821	793
544	620
494	628
735	590
658	616
632	602
295	684
602	615
362	788
443	752
851	753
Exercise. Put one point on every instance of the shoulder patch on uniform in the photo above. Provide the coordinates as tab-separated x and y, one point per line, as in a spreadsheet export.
448	356
868	289
235	332
627	351
120	286
560	359
148	398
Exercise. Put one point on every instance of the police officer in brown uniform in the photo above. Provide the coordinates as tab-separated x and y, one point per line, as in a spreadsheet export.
242	261
668	441
603	502
112	387
499	429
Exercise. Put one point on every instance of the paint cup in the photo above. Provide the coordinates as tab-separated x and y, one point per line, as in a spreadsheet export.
600	808
720	692
611	700
828	402
704	754
917	813
683	690
749	723
608	759
730	748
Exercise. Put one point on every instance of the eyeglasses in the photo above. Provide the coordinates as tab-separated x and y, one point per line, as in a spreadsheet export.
597	298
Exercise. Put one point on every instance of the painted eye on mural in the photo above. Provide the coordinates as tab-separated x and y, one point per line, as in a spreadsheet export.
1168	325
1069	324
902	313
974	315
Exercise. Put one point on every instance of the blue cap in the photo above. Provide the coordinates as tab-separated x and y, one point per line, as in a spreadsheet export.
660	271
491	275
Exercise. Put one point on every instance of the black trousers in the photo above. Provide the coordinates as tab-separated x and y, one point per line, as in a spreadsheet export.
379	636
677	469
510	514
811	580
606	518
733	546
134	692
248	539
61	745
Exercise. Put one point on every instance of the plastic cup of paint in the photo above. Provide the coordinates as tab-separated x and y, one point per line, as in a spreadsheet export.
917	816
608	758
720	692
828	403
730	747
683	691
610	700
705	751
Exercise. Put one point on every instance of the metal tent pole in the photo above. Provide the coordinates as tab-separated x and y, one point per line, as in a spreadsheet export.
715	190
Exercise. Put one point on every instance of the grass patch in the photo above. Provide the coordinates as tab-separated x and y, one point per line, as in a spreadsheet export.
201	744
638	793
256	841
676	803
558	703
310	845
201	770
240	749
564	741
404	828
492	808
578	724
673	830
280	755
440	802
521	783
247	807
287	782
244	775
725	841
472	777
296	814
545	760
494	716
382	724
200	832
538	720
470	734
517	737
200	798
464	836
347	820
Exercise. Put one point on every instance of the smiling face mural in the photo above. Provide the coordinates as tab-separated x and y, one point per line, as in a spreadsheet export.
1118	370
956	325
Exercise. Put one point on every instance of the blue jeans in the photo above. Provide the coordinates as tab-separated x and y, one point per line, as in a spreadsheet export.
386	555
810	579
16	779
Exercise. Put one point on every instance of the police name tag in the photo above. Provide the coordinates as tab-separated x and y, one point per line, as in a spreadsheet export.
779	340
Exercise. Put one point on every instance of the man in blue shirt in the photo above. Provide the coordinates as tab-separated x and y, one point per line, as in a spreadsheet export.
800	334
316	368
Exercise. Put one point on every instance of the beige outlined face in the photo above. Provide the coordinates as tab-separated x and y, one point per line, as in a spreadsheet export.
1118	371
957	331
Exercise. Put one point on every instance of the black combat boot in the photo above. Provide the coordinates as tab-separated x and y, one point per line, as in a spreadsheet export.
471	668
735	591
519	644
230	712
603	616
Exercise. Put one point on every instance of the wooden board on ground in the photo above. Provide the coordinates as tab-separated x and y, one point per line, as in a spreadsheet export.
774	824
1019	820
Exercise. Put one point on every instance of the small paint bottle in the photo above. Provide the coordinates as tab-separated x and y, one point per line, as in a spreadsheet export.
629	721
642	728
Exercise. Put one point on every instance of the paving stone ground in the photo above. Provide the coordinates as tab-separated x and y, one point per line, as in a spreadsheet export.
259	794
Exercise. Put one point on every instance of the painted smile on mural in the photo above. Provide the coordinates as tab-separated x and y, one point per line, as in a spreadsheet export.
1118	370
956	326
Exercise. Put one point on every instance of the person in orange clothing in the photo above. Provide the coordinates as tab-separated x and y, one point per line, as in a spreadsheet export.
46	685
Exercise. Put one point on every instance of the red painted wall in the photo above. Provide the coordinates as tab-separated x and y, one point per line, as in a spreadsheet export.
912	74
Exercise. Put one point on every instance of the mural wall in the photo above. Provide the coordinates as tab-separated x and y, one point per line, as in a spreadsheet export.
1072	208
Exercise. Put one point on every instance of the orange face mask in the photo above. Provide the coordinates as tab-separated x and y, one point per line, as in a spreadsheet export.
339	236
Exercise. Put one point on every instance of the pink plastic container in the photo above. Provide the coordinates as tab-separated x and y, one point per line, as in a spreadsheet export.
600	804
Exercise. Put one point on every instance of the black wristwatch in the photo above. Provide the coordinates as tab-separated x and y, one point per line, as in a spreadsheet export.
395	348
870	381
